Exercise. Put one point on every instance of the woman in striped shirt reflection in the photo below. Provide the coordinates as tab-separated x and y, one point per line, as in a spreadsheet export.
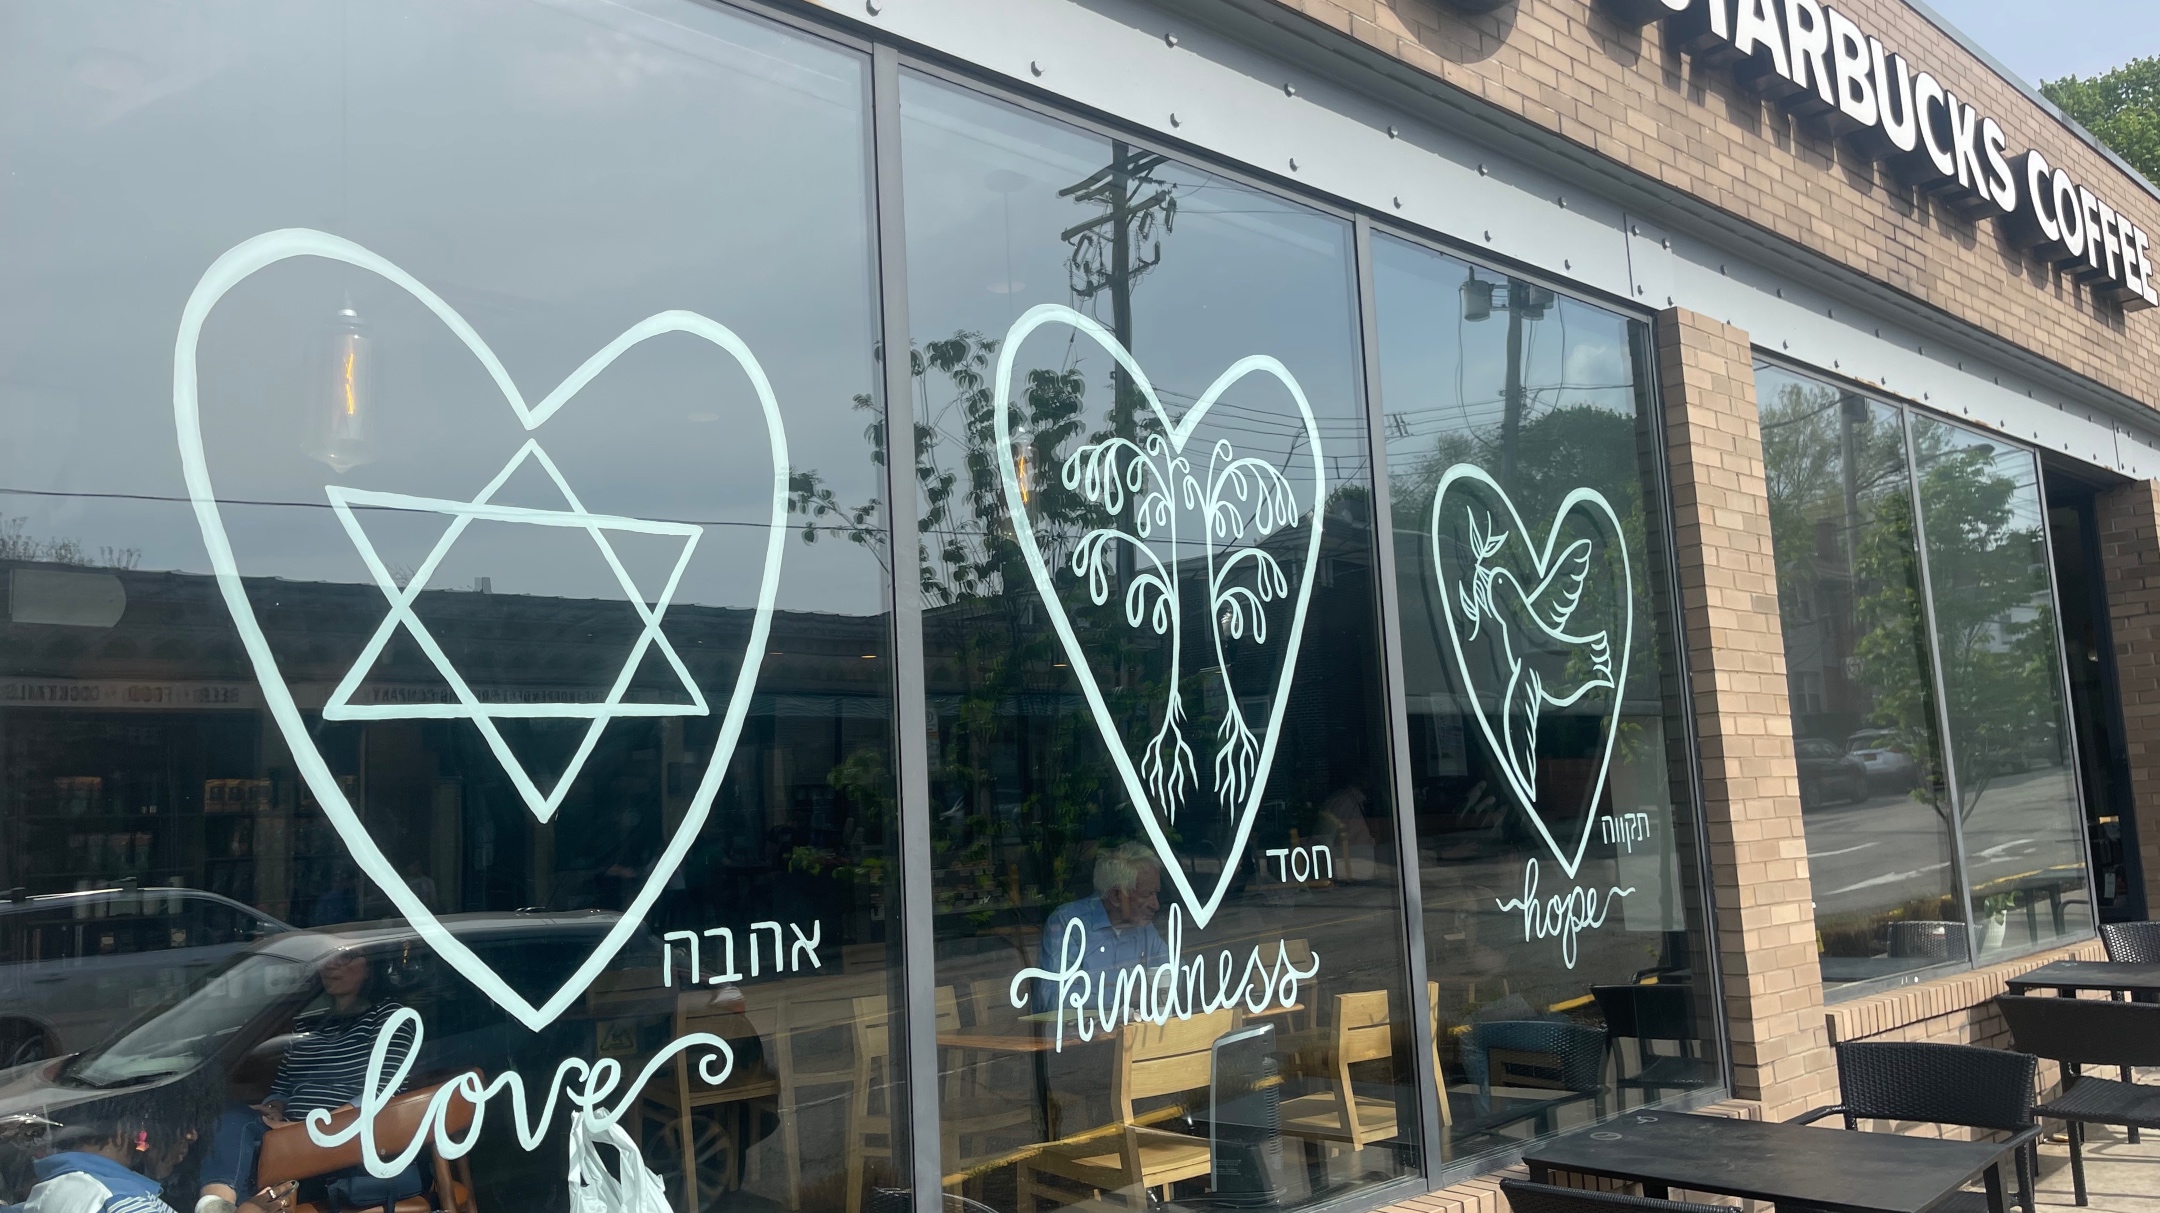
324	1068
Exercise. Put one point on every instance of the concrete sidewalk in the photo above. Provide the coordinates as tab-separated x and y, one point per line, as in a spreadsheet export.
2119	1177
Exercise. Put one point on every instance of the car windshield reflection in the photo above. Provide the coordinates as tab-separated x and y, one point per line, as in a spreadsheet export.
188	1031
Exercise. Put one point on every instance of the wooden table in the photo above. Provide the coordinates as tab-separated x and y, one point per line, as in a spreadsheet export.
2067	977
1791	1166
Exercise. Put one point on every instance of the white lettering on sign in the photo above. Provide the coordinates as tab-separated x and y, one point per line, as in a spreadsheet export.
787	957
1565	916
1627	829
1302	864
118	694
1097	1002
589	1085
1820	64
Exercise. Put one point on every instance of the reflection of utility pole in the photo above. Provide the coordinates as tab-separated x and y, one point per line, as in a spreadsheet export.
1110	252
1524	301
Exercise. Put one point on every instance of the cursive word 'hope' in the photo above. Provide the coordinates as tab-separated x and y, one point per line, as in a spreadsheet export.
1581	909
1174	989
592	1083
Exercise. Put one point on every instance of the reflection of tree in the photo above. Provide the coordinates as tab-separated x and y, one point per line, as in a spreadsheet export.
993	656
1556	452
17	543
1848	567
1995	629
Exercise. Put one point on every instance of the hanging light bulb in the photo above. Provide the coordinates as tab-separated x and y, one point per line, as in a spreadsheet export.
341	417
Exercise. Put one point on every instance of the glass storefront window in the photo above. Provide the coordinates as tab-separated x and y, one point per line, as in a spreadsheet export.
1564	922
1874	797
1165	879
1984	525
448	641
1924	666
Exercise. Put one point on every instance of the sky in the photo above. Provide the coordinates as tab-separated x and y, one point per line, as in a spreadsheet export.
2059	38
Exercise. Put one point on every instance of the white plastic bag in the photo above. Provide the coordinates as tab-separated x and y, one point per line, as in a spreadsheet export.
630	1187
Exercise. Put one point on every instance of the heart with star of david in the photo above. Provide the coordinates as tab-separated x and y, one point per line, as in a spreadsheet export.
609	534
1178	515
1539	630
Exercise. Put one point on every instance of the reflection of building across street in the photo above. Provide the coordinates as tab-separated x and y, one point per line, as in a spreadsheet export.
131	735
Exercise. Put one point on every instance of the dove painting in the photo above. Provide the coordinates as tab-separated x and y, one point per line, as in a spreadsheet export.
1518	630
1543	663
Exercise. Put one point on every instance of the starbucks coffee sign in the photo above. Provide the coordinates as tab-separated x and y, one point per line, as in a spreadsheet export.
1820	64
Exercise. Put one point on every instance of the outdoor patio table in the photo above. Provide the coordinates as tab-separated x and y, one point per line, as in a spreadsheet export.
2069	976
1791	1166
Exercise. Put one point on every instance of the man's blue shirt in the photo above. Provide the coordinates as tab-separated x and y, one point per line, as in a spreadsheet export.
1109	950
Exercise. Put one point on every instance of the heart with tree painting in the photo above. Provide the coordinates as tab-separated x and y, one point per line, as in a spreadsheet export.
1177	585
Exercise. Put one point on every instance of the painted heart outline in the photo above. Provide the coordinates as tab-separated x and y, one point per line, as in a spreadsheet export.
259	252
1176	434
1560	577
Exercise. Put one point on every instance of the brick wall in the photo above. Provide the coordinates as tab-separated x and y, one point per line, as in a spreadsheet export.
1736	663
1628	95
2129	521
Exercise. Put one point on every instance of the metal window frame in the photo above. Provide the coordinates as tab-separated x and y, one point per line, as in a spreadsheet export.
1432	1142
1956	815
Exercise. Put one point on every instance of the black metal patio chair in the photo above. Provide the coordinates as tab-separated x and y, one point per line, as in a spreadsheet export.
2088	1032
1526	1197
2135	943
1946	1085
1649	1015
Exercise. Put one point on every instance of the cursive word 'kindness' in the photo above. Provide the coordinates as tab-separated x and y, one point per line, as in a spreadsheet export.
589	1085
1566	915
1175	989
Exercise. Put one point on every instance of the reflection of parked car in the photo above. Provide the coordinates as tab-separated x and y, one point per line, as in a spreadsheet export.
223	1034
79	965
1828	775
1889	768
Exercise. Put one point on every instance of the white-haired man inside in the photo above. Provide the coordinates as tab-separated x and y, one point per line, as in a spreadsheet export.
1119	920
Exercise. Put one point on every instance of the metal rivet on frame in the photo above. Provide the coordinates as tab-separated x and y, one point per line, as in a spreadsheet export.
1035	67
1392	133
1289	90
1171	39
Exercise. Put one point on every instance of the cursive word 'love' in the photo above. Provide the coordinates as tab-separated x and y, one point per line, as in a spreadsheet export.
589	1085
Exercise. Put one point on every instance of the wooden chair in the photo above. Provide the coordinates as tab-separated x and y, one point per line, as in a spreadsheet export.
1447	1109
803	1060
985	1095
1129	1156
1341	1117
870	1131
678	1100
288	1153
